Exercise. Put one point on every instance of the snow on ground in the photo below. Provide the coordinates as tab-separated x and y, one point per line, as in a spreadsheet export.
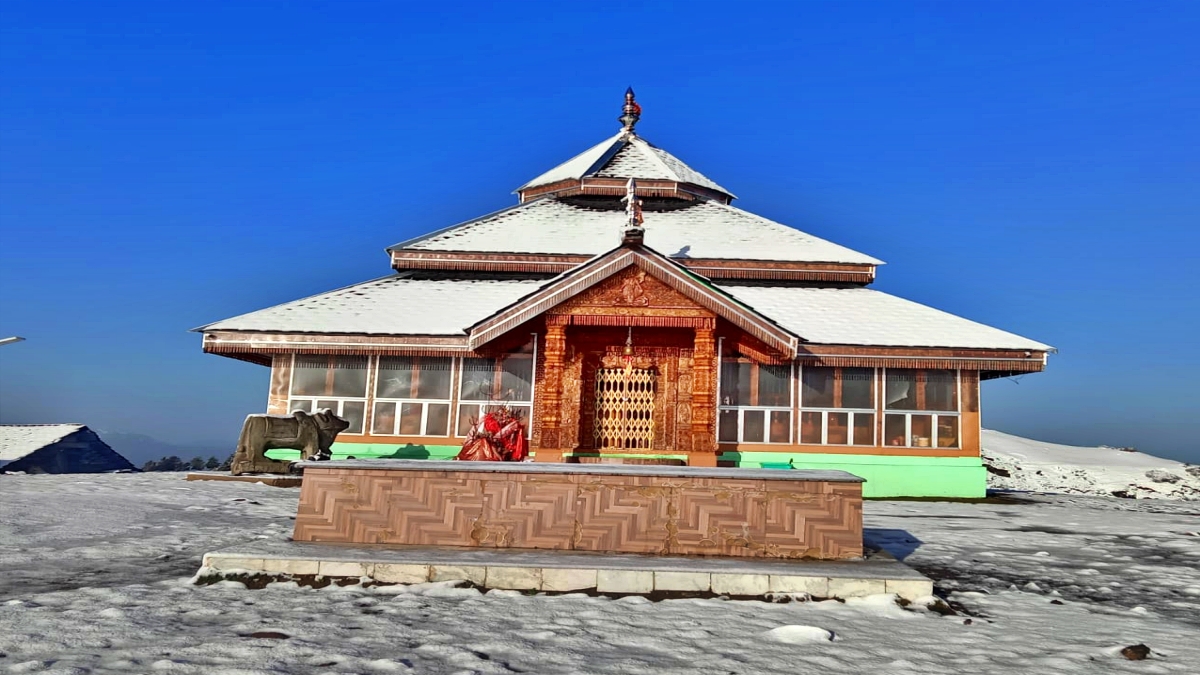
1017	463
82	590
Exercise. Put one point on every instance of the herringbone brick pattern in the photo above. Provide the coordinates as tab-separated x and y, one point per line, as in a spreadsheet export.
612	513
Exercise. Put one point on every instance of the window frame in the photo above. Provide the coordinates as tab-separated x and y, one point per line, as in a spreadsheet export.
497	372
340	400
908	414
425	403
767	410
851	413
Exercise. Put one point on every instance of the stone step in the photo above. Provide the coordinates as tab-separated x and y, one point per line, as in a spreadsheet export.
565	571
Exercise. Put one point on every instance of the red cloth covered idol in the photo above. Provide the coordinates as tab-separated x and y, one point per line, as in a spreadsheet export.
498	436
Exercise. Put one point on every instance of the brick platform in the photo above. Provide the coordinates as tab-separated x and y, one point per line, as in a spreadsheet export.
598	508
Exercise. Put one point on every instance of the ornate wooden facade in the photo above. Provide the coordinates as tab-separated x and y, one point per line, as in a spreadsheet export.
622	335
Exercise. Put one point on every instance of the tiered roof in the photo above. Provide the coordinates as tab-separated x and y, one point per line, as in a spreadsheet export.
625	156
702	229
796	290
400	305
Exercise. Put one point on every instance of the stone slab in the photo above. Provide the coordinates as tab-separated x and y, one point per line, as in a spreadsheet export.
682	581
567	571
272	480
624	581
566	580
741	584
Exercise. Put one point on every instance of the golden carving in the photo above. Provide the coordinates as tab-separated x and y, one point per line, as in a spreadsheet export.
632	292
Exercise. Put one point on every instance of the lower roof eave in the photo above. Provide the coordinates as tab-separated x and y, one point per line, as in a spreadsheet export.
247	345
994	362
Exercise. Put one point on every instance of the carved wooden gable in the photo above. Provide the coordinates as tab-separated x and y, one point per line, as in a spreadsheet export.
631	294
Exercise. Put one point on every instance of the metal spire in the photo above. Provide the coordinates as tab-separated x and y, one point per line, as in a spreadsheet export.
633	231
632	112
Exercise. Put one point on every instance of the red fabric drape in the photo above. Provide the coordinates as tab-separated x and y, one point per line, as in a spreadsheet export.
498	436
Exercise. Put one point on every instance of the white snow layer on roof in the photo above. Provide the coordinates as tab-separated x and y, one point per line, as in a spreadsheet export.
19	440
400	306
632	158
389	306
707	229
861	316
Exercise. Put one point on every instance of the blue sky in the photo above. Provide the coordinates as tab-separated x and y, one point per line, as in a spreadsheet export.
1032	166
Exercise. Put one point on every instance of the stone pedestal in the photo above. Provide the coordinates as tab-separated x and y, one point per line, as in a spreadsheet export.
583	507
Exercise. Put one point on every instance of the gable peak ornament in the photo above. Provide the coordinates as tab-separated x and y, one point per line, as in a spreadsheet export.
632	233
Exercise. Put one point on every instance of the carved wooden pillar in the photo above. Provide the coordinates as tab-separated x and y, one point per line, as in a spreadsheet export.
704	398
555	353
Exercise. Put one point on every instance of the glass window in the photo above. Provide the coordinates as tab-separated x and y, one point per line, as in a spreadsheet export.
864	429
420	389
895	429
838	430
516	379
334	383
341	376
755	402
817	387
383	419
858	388
478	379
752	422
947	436
901	389
774	385
941	390
823	387
931	399
507	381
922	390
413	377
781	426
728	426
847	399
735	383
812	427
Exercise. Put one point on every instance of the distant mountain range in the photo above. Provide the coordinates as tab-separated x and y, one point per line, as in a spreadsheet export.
139	448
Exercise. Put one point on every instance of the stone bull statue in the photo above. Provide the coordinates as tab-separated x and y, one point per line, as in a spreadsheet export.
312	435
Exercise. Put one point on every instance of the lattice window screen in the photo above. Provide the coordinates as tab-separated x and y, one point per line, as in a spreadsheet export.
624	409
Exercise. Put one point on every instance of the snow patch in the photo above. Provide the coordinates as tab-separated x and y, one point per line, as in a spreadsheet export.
1026	465
799	635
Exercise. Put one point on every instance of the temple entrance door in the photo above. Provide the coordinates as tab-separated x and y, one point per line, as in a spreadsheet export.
624	409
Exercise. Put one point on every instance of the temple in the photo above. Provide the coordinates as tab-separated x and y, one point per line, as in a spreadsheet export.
630	313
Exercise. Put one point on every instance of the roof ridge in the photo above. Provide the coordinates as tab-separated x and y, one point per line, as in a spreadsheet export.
610	141
646	149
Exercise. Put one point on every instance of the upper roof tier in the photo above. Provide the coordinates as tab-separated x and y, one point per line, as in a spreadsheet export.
581	207
625	155
701	229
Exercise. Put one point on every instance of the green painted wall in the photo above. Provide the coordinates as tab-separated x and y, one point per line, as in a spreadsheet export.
378	451
887	475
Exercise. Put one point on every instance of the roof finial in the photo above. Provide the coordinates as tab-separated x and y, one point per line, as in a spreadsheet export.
633	231
632	112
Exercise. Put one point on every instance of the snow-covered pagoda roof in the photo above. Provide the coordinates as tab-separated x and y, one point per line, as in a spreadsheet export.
19	440
400	305
700	229
625	155
461	287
